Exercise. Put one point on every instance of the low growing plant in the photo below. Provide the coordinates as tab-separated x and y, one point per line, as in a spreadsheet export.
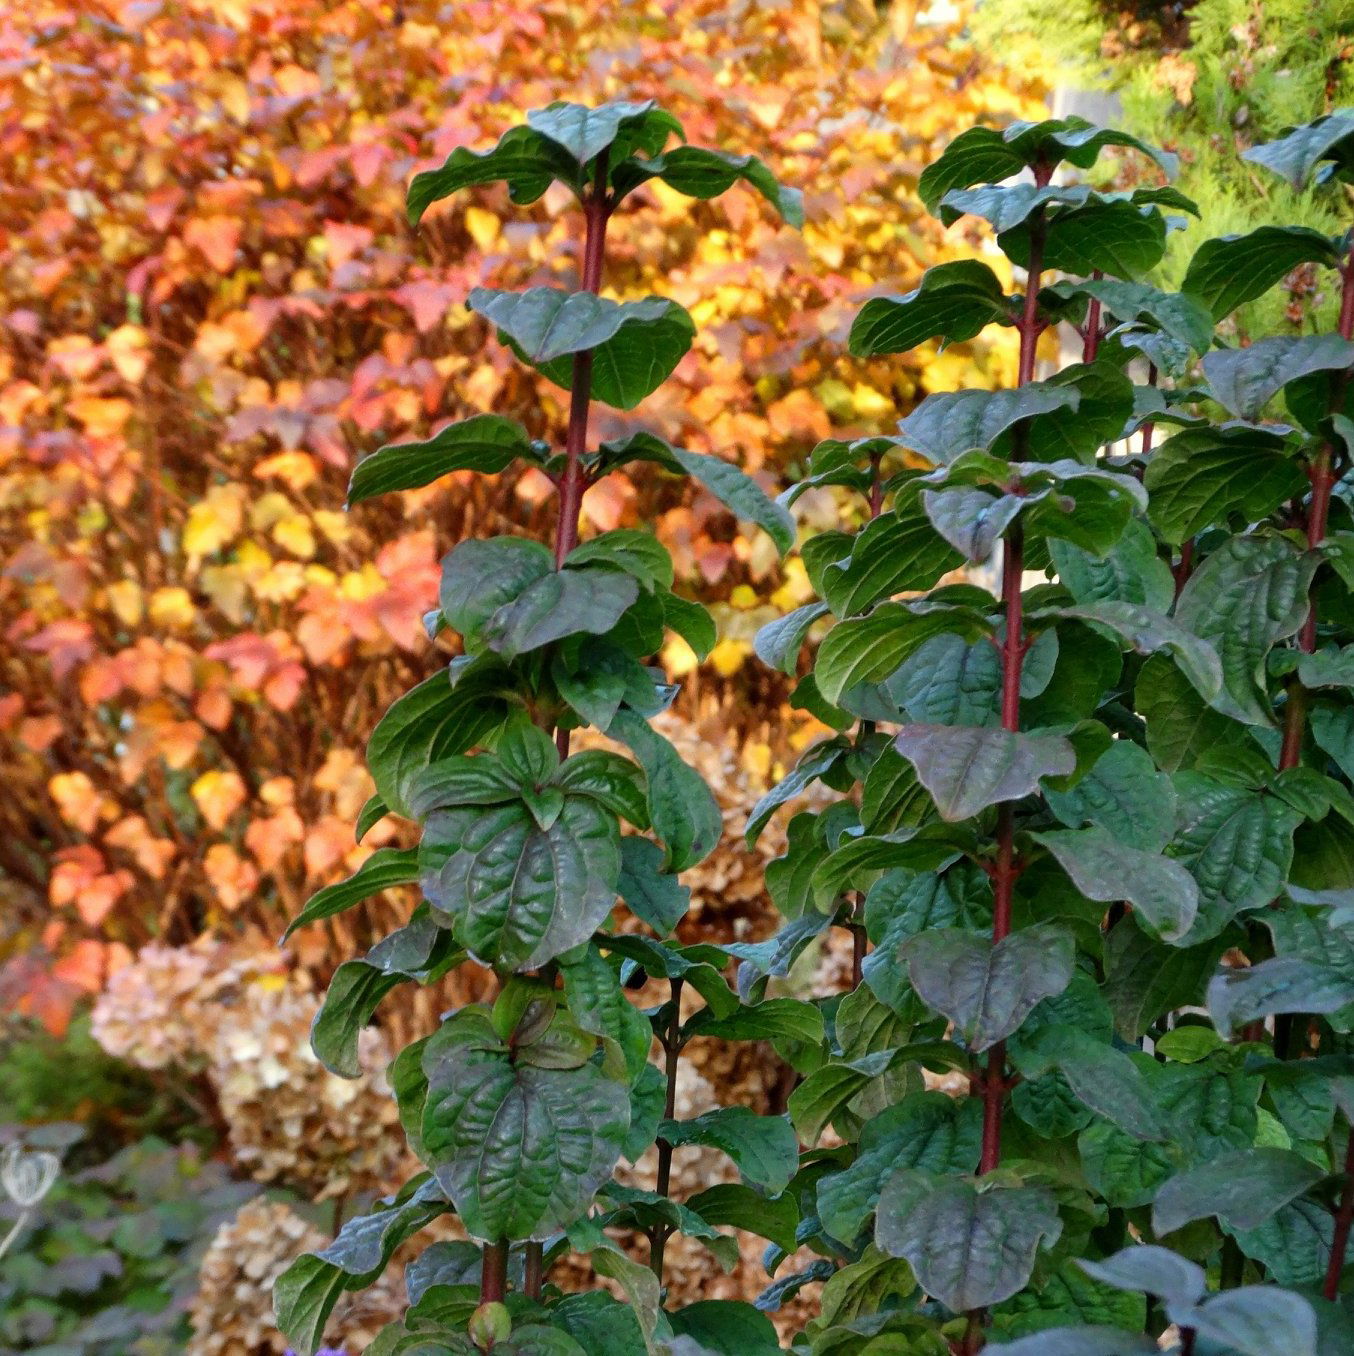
1094	845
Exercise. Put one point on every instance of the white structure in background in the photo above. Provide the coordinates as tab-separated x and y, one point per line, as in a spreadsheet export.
26	1179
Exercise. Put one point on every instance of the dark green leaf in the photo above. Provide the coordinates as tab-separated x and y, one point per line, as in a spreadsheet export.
485	442
1228	272
519	1149
1157	1271
987	991
966	768
1245	380
517	895
634	344
763	1148
701	173
651	894
1198	477
1105	869
778	642
954	302
1242	1189
684	814
384	869
969	1247
1295	155
1124	793
1280	984
946	425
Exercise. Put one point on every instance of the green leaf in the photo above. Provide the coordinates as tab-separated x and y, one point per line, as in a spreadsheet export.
987	991
773	1019
683	812
383	870
526	160
1130	572
763	1148
1124	1171
632	550
583	133
1105	869
972	520
485	442
419	951
870	648
954	302
1069	1296
927	1130
949	681
437	719
1242	1189
481	577
1092	1340
743	1207
896	552
1255	1320
1297	154
948	424
1108	1081
1148	632
1280	984
519	1149
1145	978
778	643
598	1003
967	768
700	173
1293	1245
560	603
969	1247
1246	597
1181	726
1200	476
305	1294
609	779
987	155
1245	380
1117	237
733	487
1157	1271
1177	314
651	894
1124	793
692	622
726	1328
1236	843
1228	272
640	1286
634	344
517	895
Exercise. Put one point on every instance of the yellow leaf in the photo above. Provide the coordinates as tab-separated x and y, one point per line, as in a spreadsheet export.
484	227
172	608
295	534
218	795
124	597
214	521
727	657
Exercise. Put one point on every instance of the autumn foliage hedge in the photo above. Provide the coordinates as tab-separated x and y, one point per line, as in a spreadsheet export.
210	308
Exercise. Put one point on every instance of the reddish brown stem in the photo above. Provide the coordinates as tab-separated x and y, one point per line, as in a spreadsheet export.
596	210
1344	1218
1183	570
1148	426
494	1277
1090	345
672	1050
535	1270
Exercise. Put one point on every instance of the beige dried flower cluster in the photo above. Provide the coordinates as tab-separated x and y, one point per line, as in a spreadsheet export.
243	1022
232	1311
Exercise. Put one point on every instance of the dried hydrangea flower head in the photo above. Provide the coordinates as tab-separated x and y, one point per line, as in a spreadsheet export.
27	1177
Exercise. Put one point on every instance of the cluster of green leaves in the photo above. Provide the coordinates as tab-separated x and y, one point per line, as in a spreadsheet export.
1096	838
107	1265
521	1109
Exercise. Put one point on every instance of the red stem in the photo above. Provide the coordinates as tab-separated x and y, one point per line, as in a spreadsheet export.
1005	870
672	1050
535	1270
1344	1217
1090	345
494	1277
596	210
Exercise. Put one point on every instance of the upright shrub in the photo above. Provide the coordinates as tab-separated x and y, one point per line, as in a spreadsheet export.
522	1108
1059	811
